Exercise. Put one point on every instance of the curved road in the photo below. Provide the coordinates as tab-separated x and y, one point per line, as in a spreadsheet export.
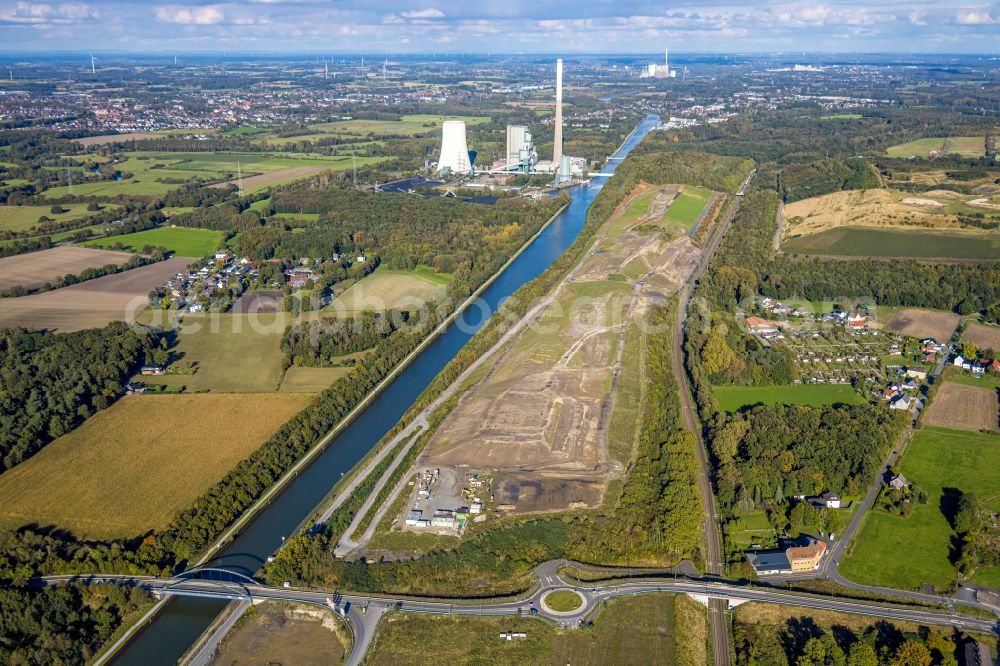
363	612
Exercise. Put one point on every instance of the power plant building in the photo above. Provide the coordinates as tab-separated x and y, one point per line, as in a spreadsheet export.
660	71
454	157
521	153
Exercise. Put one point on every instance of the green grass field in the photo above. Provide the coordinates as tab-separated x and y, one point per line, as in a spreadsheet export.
310	380
134	466
842	116
734	398
182	241
234	353
910	552
688	205
967	146
149	169
386	289
650	629
860	242
23	218
410	124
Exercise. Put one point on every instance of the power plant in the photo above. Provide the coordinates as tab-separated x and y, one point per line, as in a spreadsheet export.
454	157
660	71
521	156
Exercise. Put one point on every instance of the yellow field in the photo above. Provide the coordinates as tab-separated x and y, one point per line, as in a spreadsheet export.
134	466
387	290
874	208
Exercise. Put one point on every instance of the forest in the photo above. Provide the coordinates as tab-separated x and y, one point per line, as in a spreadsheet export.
317	343
67	624
770	452
978	535
52	382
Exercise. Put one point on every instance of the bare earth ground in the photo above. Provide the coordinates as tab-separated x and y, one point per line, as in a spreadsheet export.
34	269
863	208
278	633
918	323
90	304
987	337
539	418
273	177
964	407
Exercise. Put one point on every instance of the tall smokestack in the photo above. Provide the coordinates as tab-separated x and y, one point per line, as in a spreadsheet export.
666	60
557	144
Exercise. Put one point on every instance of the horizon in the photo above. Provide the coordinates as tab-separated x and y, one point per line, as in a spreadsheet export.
516	27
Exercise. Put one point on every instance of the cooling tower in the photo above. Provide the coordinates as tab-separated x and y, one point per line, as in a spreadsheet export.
454	150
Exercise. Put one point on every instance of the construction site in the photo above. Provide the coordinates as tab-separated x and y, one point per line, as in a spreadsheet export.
530	433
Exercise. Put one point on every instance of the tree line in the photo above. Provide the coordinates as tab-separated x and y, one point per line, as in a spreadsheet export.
52	382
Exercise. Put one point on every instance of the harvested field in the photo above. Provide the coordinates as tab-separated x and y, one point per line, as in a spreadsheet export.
132	467
273	177
34	269
918	323
258	301
964	407
90	304
987	337
865	208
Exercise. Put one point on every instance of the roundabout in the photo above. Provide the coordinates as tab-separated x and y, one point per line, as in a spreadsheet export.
563	602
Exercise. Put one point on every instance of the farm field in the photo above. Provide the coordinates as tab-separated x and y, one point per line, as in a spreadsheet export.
387	289
910	552
181	241
881	208
233	353
34	269
659	629
150	169
918	323
859	242
310	380
986	337
24	218
132	467
90	304
967	146
284	633
410	124
734	398
963	407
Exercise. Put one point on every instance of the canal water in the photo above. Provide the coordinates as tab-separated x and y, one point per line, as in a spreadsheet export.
166	639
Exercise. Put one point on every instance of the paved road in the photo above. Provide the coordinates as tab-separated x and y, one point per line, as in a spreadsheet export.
713	553
363	611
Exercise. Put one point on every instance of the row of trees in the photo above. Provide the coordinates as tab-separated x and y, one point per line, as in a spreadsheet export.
801	642
50	383
319	342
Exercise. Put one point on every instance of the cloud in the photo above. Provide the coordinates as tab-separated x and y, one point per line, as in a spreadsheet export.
40	13
974	17
430	12
208	15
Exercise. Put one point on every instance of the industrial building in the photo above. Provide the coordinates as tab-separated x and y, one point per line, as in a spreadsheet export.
454	157
521	153
660	71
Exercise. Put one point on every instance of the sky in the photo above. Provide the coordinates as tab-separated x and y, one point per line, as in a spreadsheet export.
499	26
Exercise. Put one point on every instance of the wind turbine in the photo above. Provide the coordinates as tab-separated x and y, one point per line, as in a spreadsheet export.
93	67
326	69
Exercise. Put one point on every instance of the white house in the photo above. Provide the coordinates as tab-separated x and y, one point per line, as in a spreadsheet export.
901	402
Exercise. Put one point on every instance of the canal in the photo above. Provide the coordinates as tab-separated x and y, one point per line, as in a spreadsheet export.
176	628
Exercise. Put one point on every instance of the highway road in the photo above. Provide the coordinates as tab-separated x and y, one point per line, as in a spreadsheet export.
713	553
362	612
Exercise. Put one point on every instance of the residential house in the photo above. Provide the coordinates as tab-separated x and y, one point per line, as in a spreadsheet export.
903	402
760	326
152	370
802	555
899	482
